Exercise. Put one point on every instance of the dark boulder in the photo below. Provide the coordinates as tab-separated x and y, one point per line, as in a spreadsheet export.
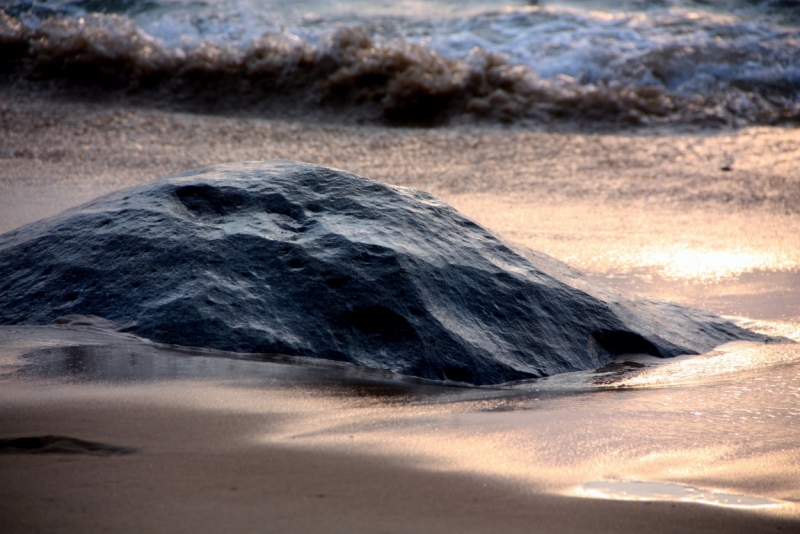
292	258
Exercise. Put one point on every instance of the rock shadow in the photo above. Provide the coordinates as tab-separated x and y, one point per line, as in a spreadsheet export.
60	445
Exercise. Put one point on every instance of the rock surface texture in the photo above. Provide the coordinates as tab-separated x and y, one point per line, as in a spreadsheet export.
292	258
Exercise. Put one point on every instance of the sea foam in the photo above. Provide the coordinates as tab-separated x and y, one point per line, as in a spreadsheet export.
539	64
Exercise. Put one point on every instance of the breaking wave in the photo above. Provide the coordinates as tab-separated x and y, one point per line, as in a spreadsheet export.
512	65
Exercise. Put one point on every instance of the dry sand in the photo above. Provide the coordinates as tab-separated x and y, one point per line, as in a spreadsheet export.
97	148
650	211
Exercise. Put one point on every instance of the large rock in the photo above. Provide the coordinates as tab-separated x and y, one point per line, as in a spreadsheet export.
291	258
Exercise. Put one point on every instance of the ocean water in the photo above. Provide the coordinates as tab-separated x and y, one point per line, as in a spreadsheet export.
417	61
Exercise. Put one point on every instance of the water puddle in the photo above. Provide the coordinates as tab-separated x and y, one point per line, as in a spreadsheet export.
662	491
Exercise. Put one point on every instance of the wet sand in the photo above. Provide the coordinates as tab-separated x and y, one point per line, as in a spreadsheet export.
646	211
225	444
188	479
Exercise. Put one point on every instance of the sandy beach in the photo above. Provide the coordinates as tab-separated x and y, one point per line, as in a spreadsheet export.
700	217
226	445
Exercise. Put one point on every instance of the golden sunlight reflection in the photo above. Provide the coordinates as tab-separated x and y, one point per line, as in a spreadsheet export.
657	491
735	357
642	239
675	428
787	329
684	261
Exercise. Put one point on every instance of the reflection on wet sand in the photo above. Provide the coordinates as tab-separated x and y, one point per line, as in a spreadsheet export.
730	262
656	491
719	423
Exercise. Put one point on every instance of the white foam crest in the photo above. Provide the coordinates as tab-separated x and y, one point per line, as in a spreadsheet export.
173	32
553	61
679	48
